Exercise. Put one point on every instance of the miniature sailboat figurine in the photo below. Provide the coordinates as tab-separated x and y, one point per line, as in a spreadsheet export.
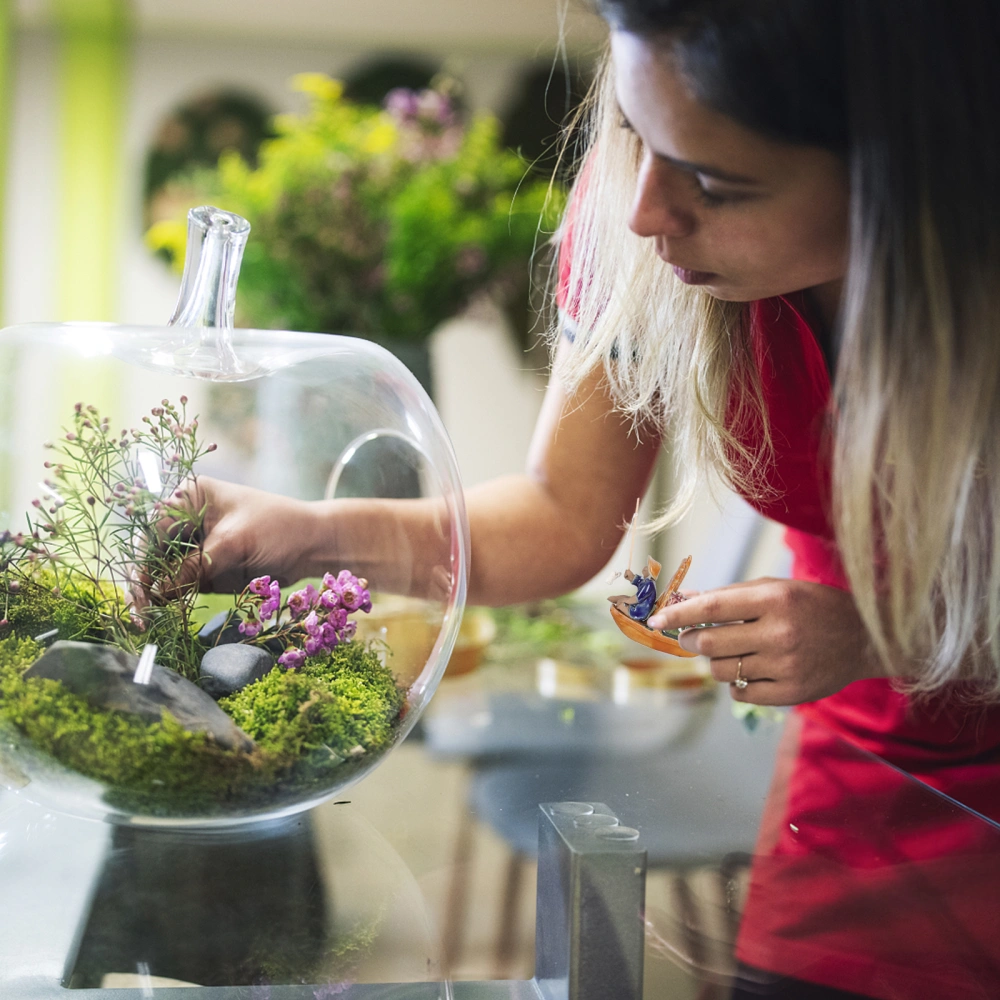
630	613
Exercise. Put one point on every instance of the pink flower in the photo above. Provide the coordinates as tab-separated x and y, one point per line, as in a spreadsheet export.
329	599
434	108
261	586
292	659
303	600
352	598
401	103
312	624
314	645
268	608
250	628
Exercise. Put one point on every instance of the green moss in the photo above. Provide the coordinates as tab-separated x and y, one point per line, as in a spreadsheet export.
16	655
144	763
337	702
297	718
38	607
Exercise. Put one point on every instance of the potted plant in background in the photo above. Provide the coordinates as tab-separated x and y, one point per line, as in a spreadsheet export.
381	222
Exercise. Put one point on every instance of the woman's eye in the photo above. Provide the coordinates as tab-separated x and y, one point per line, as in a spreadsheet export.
713	198
705	194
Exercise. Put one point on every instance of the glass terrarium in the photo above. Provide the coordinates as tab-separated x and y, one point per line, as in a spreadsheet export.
232	562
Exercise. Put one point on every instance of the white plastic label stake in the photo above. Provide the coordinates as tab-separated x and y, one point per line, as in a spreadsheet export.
144	671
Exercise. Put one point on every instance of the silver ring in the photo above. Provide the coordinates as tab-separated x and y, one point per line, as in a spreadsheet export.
741	682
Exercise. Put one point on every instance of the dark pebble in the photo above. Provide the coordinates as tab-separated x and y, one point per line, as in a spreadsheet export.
229	668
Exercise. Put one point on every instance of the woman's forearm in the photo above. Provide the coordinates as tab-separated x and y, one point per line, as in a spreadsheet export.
525	544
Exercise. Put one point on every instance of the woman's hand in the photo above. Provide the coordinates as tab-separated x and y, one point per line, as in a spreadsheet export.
798	641
244	533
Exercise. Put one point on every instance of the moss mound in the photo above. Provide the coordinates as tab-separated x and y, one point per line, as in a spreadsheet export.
38	607
305	723
340	701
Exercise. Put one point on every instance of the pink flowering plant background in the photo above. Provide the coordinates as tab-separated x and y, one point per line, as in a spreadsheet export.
377	221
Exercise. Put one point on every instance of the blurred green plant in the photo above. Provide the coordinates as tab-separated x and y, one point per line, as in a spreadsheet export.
377	221
528	632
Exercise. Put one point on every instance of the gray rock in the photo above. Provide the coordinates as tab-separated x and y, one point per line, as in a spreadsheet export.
103	675
225	669
223	629
218	631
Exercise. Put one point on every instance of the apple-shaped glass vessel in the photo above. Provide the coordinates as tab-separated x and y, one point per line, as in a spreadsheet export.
232	562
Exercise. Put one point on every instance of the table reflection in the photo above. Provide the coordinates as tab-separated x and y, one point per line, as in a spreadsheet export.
784	862
866	880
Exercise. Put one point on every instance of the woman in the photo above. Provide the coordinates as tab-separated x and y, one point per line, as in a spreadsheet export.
783	251
812	172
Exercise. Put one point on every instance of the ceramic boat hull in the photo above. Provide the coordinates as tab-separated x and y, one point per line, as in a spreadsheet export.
641	633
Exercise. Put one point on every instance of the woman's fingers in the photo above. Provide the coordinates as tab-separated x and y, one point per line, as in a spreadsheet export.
738	602
732	639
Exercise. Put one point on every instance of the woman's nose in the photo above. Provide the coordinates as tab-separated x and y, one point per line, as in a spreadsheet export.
659	207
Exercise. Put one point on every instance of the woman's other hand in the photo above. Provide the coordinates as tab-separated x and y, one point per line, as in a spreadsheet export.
798	641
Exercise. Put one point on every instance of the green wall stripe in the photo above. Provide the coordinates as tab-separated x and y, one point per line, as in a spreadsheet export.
6	94
6	389
93	90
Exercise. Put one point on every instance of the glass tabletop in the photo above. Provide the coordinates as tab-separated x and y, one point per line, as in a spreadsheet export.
548	830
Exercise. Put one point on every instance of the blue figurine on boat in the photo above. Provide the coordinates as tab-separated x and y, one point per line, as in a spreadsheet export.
640	607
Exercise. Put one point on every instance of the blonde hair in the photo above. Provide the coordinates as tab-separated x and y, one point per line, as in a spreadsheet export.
670	351
917	401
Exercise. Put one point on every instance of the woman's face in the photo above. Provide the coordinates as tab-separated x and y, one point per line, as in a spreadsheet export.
742	215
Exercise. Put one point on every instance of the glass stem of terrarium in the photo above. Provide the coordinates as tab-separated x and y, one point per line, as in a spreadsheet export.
207	300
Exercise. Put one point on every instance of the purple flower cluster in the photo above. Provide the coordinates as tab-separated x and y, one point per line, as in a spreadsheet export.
427	108
316	618
269	589
270	593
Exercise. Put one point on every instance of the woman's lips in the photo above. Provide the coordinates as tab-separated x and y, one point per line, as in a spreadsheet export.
693	277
